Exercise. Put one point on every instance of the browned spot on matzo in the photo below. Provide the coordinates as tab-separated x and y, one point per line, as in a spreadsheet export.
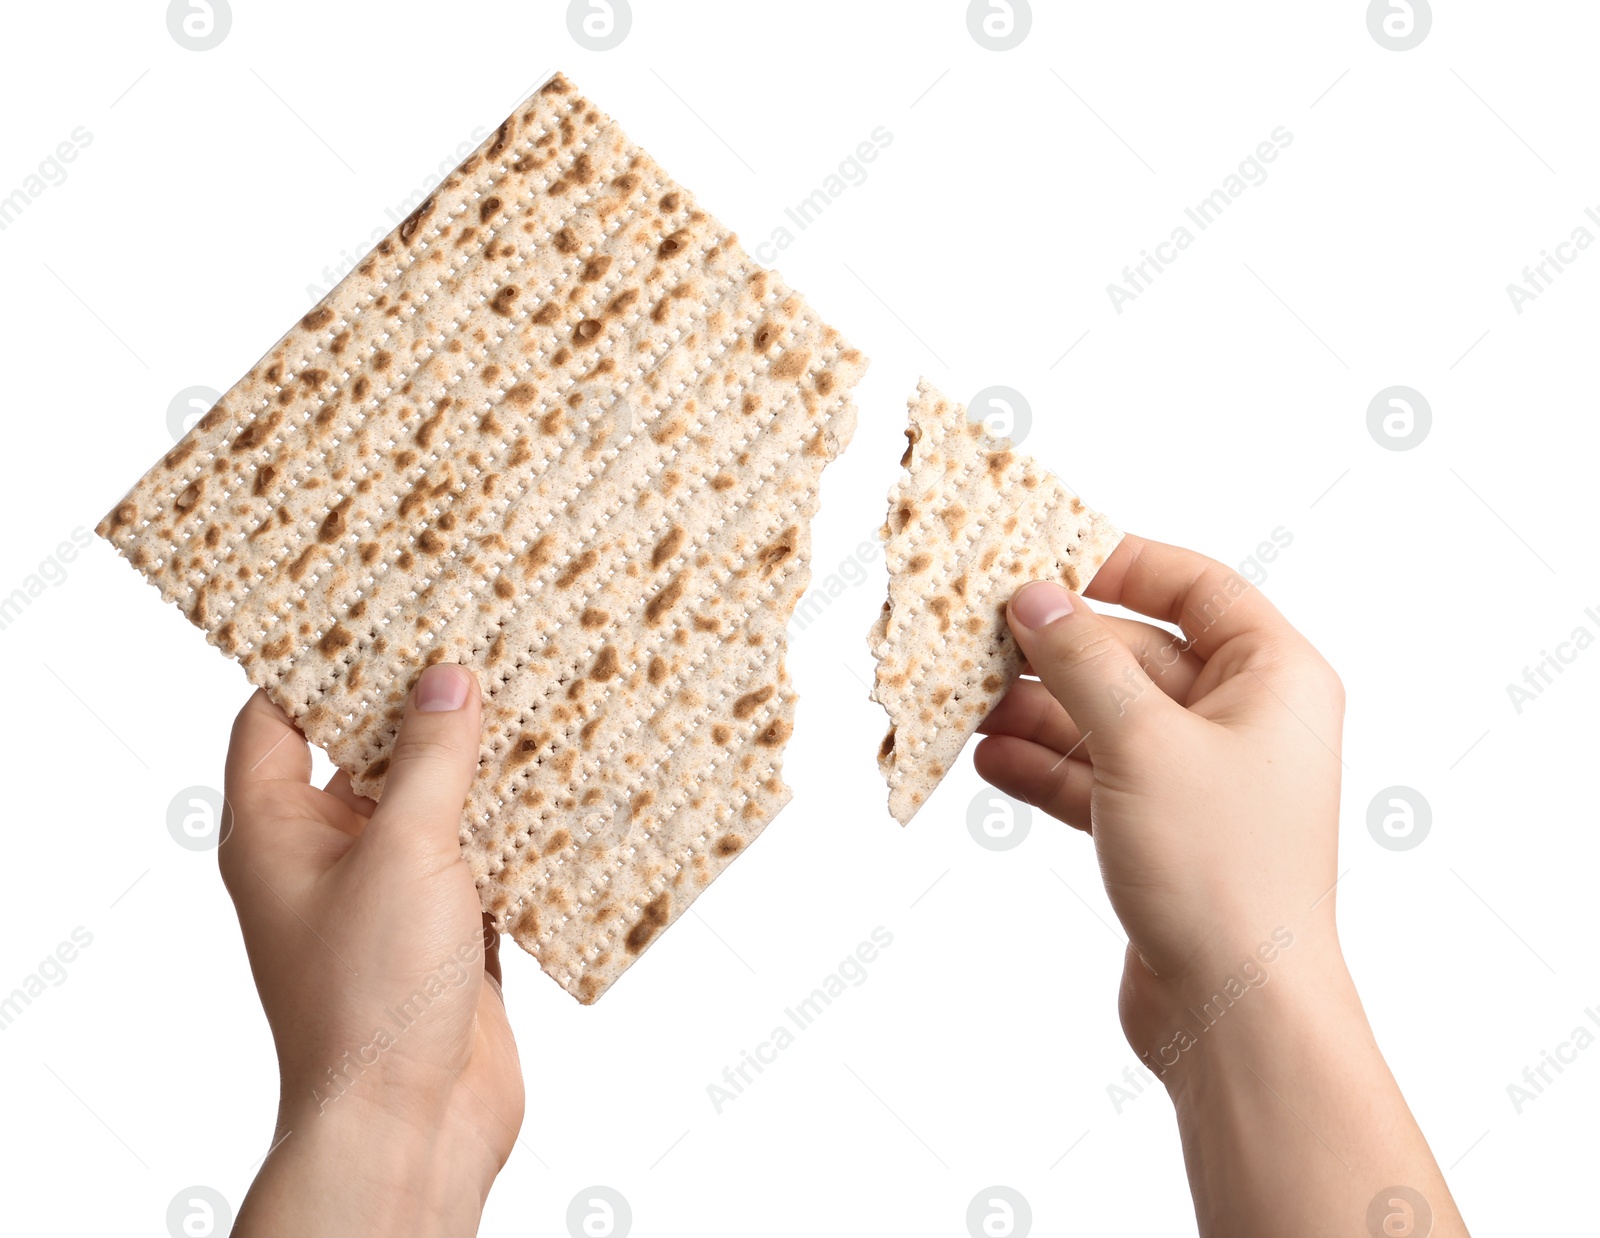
650	923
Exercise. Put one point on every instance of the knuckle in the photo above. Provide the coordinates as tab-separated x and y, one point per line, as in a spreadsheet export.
1301	655
1302	671
416	749
1058	791
1214	591
1090	644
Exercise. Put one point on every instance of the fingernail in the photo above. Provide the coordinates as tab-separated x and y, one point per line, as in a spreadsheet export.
495	985
441	689
1040	604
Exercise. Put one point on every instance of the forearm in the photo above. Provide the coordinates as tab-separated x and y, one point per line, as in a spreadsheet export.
1292	1123
340	1175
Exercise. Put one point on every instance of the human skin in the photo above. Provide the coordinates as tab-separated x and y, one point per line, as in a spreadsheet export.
1206	768
400	1090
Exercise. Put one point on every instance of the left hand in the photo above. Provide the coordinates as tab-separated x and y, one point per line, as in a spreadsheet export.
401	1093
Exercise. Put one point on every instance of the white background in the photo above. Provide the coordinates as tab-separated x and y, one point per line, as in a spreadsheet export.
1226	402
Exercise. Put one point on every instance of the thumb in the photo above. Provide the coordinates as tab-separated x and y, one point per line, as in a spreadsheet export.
431	765
1086	665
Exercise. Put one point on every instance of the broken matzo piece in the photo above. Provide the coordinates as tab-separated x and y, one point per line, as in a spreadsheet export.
970	522
557	427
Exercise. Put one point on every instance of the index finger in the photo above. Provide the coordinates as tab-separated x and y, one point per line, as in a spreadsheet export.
265	747
1210	601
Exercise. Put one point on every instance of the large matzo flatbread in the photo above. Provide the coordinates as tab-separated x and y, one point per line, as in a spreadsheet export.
557	427
970	522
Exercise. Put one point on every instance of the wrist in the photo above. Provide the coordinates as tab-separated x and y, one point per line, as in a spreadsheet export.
1288	994
355	1168
1289	1116
1289	1026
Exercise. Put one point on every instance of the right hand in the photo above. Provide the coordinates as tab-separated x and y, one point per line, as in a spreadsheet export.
1206	769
